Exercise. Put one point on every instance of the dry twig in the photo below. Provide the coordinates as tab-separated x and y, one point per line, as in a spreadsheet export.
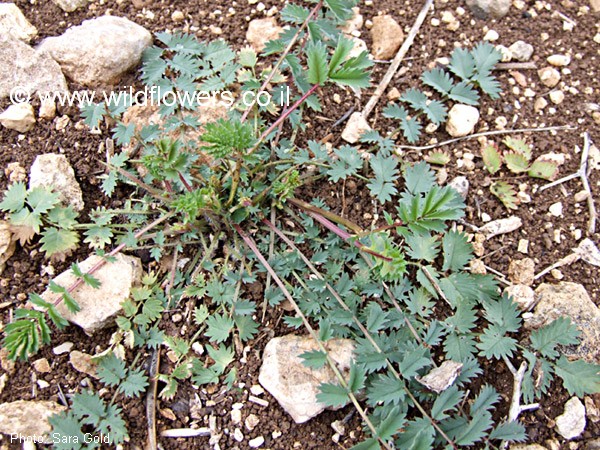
397	60
515	404
581	173
151	401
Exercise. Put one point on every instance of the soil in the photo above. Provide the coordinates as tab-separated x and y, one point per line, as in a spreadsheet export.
535	22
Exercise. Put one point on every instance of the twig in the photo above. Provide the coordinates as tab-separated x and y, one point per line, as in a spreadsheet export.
185	432
151	400
500	275
435	284
515	66
582	174
484	133
252	245
569	259
397	60
515	403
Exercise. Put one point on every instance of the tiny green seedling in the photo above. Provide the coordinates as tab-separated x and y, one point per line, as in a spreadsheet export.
517	158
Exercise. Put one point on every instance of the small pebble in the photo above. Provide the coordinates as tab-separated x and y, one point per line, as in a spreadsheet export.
556	209
238	435
65	347
41	365
42	384
491	36
236	416
559	60
256	442
549	76
523	246
557	97
198	348
251	422
540	104
177	16
581	196
556	274
257	389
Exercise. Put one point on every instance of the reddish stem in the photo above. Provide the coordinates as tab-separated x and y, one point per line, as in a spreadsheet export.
115	251
284	116
285	53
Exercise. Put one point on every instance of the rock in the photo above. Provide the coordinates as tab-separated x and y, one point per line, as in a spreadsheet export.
355	23
588	251
491	36
238	435
99	306
556	209
394	94
387	37
28	418
251	422
358	47
495	9
592	411
540	104
355	127
527	447
461	120
7	244
41	365
501	226
571	423
47	109
19	117
442	377
143	115
14	24
559	60
294	385
557	97
522	295
521	51
595	5
521	271
53	170
461	185
65	347
571	300
261	31
15	172
99	50
549	76
236	416
593	444
33	71
177	16
256	442
580	196
70	5
82	362
505	52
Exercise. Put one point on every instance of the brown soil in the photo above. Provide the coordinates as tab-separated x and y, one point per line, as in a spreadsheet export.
24	272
